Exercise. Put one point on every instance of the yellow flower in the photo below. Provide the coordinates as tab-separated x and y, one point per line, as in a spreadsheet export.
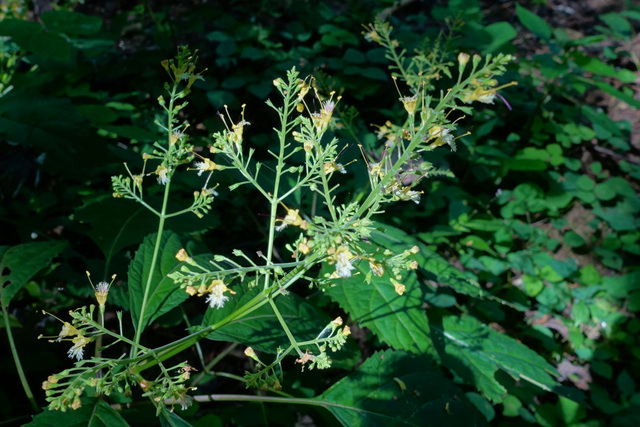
463	58
182	256
101	290
399	287
304	246
68	330
206	165
409	102
292	218
376	269
321	120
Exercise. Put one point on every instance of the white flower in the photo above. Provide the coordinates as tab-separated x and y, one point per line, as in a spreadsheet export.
217	298
162	172
442	133
343	262
77	351
487	97
201	167
185	401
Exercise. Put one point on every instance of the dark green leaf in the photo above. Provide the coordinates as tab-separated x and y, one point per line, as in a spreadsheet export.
573	239
71	23
93	412
533	23
20	263
394	388
260	329
163	294
171	419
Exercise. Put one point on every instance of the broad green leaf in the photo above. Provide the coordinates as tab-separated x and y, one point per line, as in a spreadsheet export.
617	219
394	388
594	65
131	132
71	23
501	33
398	320
433	266
573	239
113	233
474	352
93	412
52	126
32	37
20	263
163	294
533	23
171	419
622	96
621	286
532	285
260	329
477	242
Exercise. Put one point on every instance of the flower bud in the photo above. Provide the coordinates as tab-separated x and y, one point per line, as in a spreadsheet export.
463	58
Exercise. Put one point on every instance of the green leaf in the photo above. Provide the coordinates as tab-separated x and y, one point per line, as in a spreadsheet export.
93	412
260	329
618	220
475	352
585	183
132	223
394	388
573	239
32	37
20	263
532	285
398	320
336	36
163	294
511	406
621	286
622	96
171	419
131	132
594	65
477	242
501	33
533	23
71	23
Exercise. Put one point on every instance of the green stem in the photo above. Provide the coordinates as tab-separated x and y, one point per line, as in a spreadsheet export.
156	250
163	353
270	399
273	199
16	359
162	216
285	328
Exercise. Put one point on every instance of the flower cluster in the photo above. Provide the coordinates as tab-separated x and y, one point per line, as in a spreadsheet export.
216	290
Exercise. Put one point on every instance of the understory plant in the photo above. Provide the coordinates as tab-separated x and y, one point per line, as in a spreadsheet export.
317	238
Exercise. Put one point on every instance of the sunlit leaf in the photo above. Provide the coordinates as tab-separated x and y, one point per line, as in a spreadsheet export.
475	353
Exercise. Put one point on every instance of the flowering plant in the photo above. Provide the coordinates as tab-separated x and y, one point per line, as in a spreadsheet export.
330	244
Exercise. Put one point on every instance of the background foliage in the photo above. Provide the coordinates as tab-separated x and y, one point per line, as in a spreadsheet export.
525	303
